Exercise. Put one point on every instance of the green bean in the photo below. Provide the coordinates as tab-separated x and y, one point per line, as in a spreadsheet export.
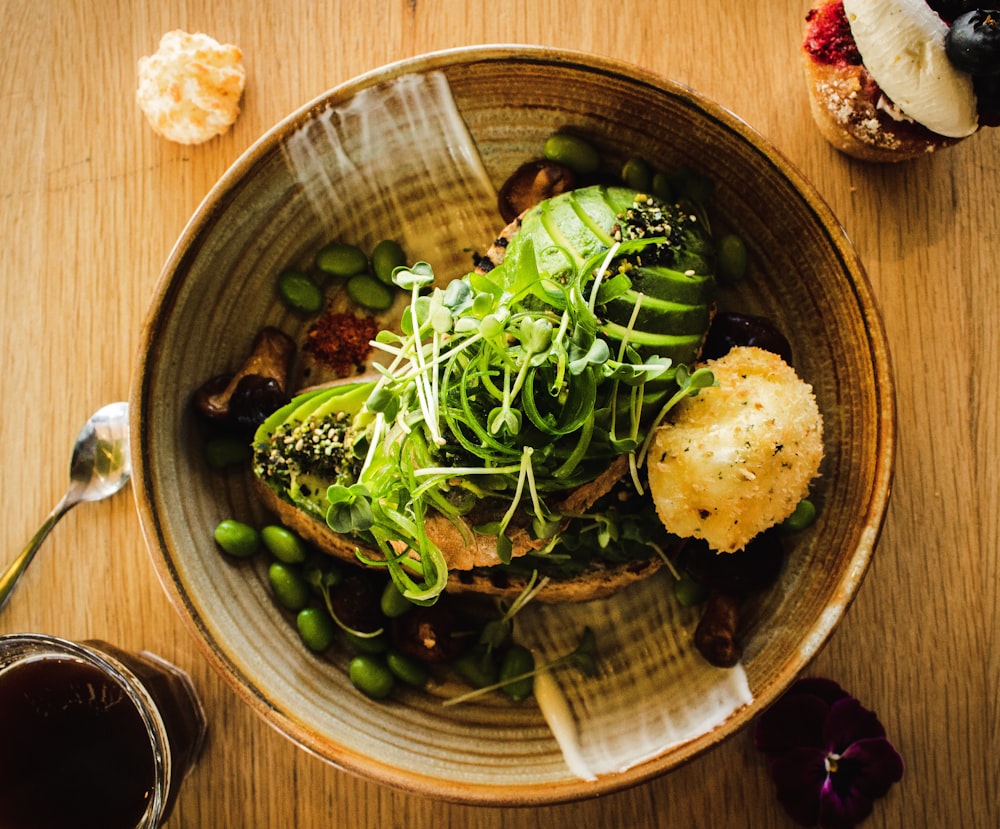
731	258
222	452
802	517
368	645
688	182
576	153
371	676
288	586
300	292
516	662
689	591
340	259
477	667
662	187
283	544
370	292
392	602
406	669
316	628
638	175
236	538
387	256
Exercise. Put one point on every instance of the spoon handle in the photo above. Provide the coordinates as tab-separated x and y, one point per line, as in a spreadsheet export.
17	567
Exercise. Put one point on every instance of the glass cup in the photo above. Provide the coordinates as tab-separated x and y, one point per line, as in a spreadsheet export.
92	736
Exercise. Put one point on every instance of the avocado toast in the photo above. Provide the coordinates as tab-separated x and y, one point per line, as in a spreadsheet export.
506	433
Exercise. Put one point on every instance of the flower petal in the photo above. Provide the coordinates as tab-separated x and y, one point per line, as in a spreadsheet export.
817	686
841	807
799	775
828	755
877	765
795	720
848	722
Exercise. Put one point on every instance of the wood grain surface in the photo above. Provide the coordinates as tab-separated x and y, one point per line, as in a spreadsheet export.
91	201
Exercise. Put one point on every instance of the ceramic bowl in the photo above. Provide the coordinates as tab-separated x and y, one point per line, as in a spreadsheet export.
478	114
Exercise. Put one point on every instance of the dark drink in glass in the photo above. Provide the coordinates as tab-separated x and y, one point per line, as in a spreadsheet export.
92	736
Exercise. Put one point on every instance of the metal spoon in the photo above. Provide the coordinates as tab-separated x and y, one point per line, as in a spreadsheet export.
99	467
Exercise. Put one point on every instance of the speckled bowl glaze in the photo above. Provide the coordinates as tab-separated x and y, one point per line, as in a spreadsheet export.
217	290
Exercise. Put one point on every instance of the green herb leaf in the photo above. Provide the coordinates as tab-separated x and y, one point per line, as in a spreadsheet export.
597	354
350	509
417	275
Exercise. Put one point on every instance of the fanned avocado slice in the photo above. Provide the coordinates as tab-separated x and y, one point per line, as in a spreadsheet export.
671	280
307	445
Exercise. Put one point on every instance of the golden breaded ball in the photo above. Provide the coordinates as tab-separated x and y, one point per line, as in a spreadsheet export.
738	457
190	89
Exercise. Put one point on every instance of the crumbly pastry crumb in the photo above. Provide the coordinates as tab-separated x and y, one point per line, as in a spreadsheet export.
190	89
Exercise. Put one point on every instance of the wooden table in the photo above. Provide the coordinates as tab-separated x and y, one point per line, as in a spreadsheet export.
91	202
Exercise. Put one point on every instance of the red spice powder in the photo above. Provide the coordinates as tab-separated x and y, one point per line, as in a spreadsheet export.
828	36
341	341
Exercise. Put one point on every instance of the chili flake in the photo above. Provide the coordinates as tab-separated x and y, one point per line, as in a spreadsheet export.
341	341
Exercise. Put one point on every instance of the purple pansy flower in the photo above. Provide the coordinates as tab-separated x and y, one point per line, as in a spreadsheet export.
829	756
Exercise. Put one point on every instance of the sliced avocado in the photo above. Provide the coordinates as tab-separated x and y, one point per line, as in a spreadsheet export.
656	314
285	468
288	412
680	348
672	284
563	232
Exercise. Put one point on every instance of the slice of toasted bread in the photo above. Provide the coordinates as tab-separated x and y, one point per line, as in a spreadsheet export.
598	581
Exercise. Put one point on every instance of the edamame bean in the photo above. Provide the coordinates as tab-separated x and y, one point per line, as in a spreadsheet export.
316	628
392	602
662	187
368	645
227	451
370	292
371	676
576	153
637	174
802	517
405	669
689	591
341	259
477	667
288	586
236	538
731	257
300	292
283	544
516	662
692	184
387	256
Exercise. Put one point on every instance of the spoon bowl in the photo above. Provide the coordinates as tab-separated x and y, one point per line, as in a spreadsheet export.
99	466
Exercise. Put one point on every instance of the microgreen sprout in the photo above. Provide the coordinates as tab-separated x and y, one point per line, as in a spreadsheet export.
324	578
497	632
583	657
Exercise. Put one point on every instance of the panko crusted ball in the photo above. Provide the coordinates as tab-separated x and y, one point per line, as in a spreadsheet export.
738	457
190	89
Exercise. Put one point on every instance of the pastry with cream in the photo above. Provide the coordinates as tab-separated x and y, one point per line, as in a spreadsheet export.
891	80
